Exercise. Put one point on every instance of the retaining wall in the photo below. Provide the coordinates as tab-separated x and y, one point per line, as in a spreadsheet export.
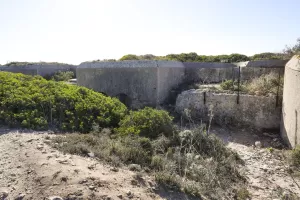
290	126
259	112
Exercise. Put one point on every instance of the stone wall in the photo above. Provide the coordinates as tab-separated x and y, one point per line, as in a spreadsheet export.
290	126
253	111
144	83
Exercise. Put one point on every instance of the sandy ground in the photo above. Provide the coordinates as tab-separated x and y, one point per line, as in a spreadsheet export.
267	173
30	169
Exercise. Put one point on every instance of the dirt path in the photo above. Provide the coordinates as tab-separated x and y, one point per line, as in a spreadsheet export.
30	169
267	172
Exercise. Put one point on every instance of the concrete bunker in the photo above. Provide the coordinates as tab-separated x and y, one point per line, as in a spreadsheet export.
145	83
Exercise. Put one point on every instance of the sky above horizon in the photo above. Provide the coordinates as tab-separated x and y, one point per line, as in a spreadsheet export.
74	31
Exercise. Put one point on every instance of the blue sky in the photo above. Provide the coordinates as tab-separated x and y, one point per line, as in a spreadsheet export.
73	31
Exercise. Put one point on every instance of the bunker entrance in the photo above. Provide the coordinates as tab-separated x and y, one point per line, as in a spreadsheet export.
125	99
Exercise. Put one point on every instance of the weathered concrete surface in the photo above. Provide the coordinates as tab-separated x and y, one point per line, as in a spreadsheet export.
170	75
218	72
42	70
208	72
255	111
290	126
144	83
249	73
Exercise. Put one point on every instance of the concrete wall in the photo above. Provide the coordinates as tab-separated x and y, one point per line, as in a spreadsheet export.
146	83
137	80
218	72
28	70
42	70
208	72
170	75
255	111
290	126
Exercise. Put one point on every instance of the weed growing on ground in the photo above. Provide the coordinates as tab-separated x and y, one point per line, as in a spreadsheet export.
191	161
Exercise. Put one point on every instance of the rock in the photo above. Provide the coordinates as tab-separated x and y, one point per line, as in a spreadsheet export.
40	147
20	196
3	195
91	187
91	154
258	144
83	181
120	196
55	198
134	182
114	169
30	140
129	194
134	167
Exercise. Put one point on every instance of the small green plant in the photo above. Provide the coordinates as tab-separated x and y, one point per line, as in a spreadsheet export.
270	149
147	122
242	194
227	85
295	156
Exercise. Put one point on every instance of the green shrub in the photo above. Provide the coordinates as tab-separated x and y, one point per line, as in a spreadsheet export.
295	156
227	85
33	102
61	76
147	122
133	149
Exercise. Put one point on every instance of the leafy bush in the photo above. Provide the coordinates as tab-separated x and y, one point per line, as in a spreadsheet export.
147	122
33	102
61	76
129	57
227	85
232	86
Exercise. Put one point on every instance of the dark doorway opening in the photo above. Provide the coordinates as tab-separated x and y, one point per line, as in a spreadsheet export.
125	99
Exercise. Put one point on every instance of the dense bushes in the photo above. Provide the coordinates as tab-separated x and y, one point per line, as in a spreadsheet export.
33	102
147	122
61	76
189	57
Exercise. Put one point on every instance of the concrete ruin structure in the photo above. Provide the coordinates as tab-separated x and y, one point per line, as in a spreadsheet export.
257	112
290	126
45	69
149	83
135	83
